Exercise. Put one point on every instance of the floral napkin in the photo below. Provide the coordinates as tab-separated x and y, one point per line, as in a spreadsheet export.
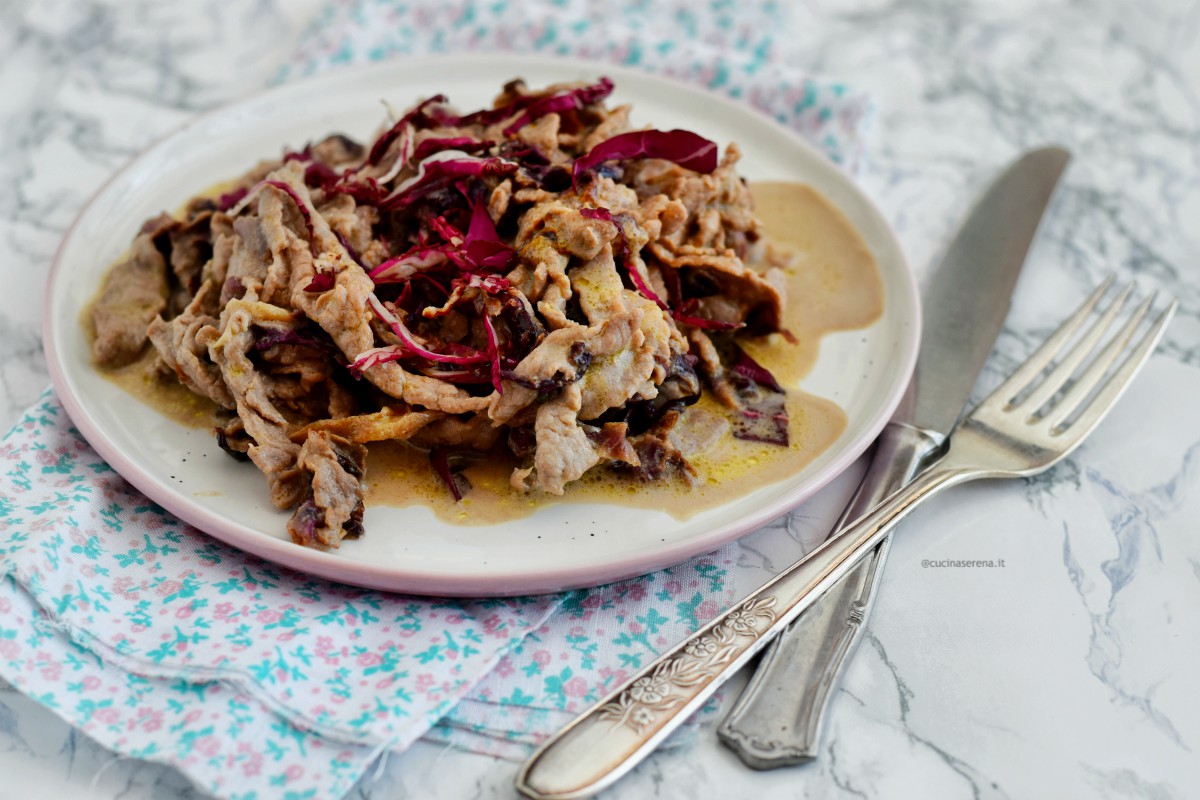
259	682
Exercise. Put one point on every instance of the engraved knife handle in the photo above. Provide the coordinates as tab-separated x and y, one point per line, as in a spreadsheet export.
778	718
614	735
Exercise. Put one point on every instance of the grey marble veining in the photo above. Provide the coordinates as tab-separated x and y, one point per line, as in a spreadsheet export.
1068	673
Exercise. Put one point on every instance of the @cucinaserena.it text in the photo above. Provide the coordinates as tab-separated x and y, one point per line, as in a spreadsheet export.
955	562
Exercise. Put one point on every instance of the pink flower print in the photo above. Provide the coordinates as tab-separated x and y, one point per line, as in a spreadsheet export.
223	611
107	715
707	610
425	682
578	631
505	668
268	616
168	587
52	671
123	585
152	721
207	746
491	624
91	683
252	765
9	649
88	571
294	772
183	612
541	657
638	592
368	660
635	627
576	687
673	587
5	605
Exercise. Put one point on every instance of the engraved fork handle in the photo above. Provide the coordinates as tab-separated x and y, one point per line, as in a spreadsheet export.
778	718
610	738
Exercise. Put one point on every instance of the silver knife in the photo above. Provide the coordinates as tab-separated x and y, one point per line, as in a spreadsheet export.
777	720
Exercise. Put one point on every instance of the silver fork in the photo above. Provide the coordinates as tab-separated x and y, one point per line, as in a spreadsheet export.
1028	424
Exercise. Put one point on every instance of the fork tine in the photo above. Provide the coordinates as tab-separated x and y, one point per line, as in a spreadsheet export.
1083	348
1042	357
1118	381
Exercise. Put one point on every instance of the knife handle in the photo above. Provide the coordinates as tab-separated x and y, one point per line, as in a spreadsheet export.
777	720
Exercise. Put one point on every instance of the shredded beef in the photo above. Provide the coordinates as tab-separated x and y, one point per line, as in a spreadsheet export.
134	293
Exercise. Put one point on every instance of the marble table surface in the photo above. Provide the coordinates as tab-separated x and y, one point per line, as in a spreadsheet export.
1069	672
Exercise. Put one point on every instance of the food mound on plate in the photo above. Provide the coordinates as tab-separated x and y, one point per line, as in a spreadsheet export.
534	277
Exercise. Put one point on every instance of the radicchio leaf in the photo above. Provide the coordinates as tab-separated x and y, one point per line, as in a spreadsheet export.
440	169
271	337
408	346
763	416
322	281
231	199
466	144
417	117
404	266
482	246
570	100
493	346
688	150
350	251
448	463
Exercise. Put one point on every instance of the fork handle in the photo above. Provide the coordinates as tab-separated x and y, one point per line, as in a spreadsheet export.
777	720
614	735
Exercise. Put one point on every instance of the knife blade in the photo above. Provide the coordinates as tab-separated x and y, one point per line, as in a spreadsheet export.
778	718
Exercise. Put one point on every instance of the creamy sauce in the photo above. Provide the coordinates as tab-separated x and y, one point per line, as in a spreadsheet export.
400	475
833	284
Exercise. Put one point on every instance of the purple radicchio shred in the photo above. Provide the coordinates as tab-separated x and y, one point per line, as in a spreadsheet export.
321	176
466	144
304	522
688	150
231	199
439	174
268	338
482	246
448	463
535	105
571	100
350	251
418	117
763	416
322	281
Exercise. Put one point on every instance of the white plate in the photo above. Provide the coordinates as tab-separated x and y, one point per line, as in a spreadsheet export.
409	549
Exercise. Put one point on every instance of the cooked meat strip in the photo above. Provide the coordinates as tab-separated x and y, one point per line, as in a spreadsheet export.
272	452
333	508
182	344
135	292
564	451
386	424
